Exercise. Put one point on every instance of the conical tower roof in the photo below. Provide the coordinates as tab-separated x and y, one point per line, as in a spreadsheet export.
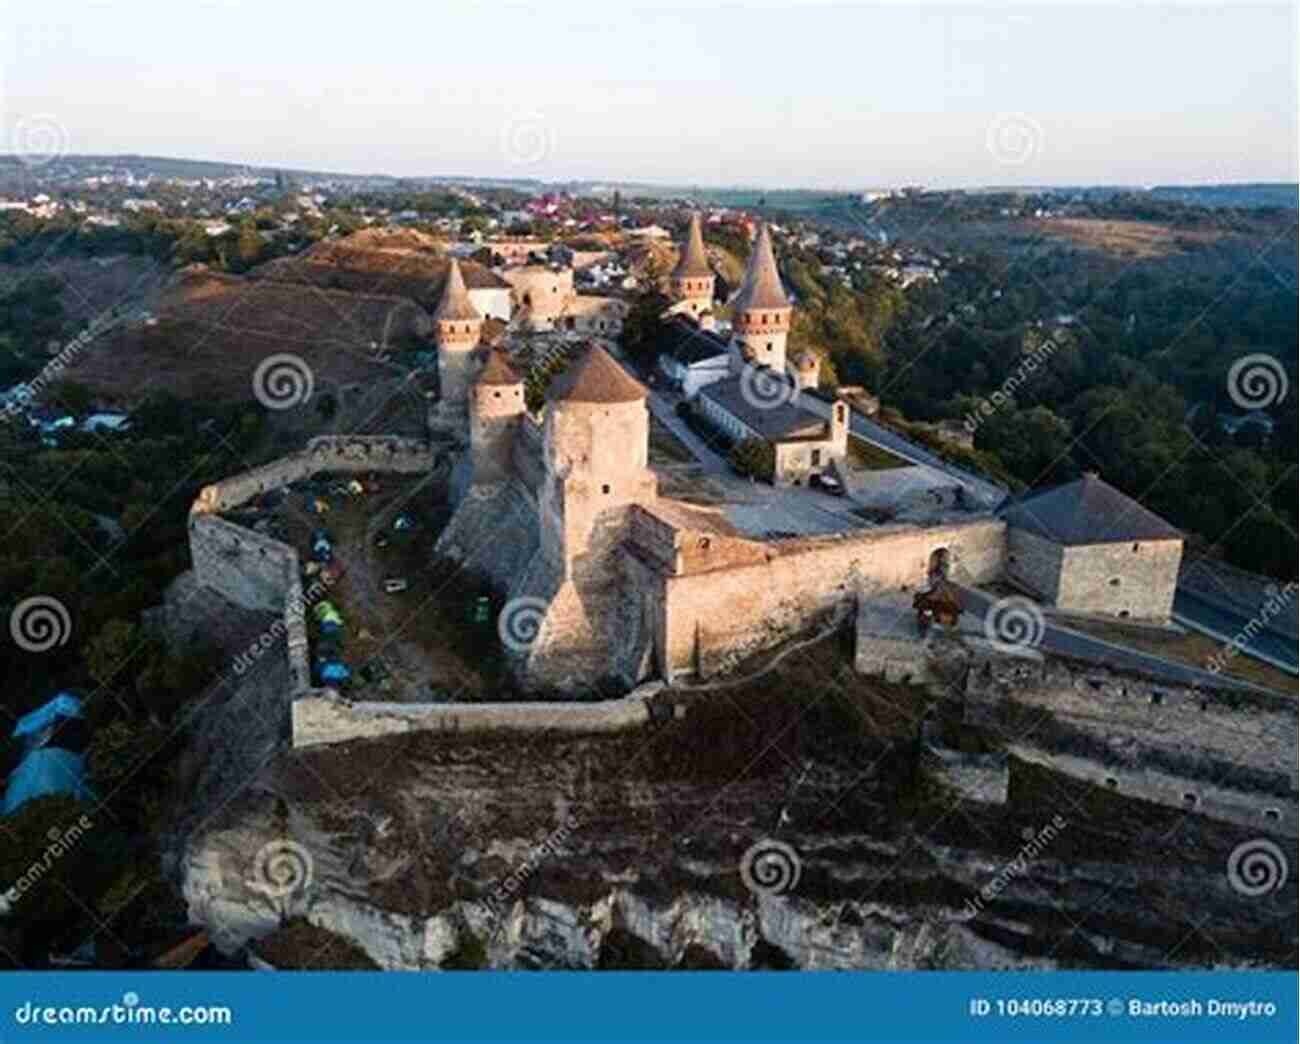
455	303
497	370
595	377
761	287
694	262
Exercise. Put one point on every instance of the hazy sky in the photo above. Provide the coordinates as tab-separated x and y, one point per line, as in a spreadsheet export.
760	94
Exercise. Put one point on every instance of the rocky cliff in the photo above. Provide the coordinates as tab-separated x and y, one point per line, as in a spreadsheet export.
783	824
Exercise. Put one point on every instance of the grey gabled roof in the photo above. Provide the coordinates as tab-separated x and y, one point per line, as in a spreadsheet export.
688	343
775	422
1086	511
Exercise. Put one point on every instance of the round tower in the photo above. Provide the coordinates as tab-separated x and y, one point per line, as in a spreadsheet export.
496	405
761	311
596	441
457	330
807	369
691	281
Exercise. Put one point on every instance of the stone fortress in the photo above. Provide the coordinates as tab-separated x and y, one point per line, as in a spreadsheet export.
618	584
612	584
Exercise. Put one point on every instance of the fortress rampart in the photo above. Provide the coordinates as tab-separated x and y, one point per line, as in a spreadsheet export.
338	453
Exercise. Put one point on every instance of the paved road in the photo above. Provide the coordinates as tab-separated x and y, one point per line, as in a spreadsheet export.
988	492
1065	642
1195	611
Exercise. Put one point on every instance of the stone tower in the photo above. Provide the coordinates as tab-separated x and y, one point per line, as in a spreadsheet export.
807	370
596	444
457	329
496	406
692	280
761	310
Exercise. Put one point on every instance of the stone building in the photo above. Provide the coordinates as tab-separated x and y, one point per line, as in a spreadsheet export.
1085	547
543	299
756	394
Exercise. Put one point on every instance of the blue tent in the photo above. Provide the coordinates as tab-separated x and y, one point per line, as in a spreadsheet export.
34	725
48	769
45	771
334	671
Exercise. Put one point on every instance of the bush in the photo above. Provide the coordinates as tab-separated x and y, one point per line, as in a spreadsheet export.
755	458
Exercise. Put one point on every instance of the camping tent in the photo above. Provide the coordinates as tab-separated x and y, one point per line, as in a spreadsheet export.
53	763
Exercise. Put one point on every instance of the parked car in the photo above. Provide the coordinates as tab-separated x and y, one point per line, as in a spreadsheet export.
394	584
827	484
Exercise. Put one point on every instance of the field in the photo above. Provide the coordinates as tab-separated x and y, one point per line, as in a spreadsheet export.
1130	239
213	331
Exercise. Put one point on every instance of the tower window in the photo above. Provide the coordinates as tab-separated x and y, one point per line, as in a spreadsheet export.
604	489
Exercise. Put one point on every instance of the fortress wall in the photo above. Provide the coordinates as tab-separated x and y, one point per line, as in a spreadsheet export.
341	453
251	570
1259	731
1034	563
1146	571
735	611
324	718
1246	808
526	453
1224	753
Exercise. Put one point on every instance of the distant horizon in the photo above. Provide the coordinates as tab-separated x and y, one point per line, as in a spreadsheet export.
657	184
765	96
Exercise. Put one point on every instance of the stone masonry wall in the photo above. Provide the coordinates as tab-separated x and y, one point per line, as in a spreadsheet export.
251	570
343	453
1132	579
1034	563
714	616
1226	753
321	719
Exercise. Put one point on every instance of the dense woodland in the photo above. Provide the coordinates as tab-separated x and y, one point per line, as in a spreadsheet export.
1134	379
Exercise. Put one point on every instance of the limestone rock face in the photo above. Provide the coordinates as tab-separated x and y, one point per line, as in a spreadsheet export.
639	850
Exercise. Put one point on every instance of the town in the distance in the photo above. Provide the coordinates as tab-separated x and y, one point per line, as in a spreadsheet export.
451	573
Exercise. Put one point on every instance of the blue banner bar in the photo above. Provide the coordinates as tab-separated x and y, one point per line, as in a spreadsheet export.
1259	1007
